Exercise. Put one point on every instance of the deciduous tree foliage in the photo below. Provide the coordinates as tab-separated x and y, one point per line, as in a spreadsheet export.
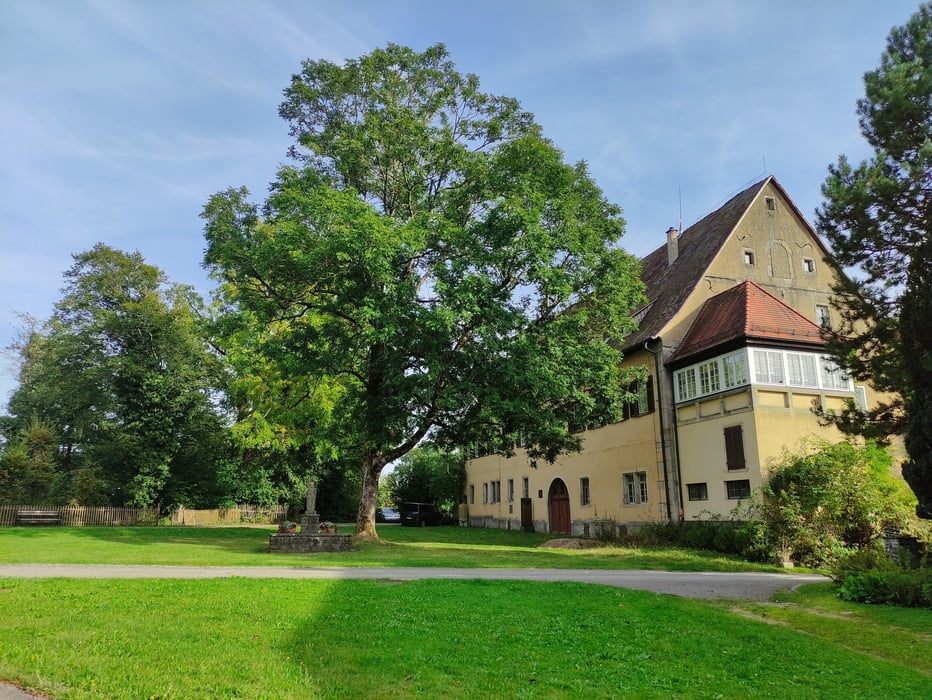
121	377
878	218
429	475
431	267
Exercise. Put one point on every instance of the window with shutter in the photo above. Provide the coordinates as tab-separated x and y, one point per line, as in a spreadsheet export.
734	448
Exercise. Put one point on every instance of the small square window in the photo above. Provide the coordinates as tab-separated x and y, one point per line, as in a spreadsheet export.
771	203
736	490
698	492
808	265
749	257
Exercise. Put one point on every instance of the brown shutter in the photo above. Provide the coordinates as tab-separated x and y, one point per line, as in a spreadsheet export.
734	448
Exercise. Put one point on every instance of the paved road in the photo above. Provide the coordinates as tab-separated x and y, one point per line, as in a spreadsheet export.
702	585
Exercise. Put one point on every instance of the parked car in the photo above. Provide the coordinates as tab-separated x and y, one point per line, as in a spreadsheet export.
419	514
387	515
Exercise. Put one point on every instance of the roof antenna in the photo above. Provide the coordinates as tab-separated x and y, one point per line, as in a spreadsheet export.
680	188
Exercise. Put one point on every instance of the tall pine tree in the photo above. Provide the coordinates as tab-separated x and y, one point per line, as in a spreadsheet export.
878	218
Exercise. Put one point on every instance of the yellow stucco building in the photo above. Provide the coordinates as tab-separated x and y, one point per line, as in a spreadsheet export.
730	337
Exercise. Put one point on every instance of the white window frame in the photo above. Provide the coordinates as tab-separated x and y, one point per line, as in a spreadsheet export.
759	366
710	377
735	370
768	367
634	488
801	369
686	386
823	316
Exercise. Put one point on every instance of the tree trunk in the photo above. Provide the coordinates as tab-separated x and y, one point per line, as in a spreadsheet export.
372	465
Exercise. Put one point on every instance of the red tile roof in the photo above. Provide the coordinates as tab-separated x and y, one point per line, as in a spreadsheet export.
667	286
746	312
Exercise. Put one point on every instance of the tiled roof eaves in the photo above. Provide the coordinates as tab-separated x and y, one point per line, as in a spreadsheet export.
747	313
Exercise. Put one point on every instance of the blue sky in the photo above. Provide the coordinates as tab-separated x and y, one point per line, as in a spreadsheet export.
119	118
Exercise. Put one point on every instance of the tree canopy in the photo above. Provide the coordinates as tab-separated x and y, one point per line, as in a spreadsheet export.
121	383
427	474
878	217
429	268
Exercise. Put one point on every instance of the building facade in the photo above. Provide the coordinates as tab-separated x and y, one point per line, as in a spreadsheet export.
731	341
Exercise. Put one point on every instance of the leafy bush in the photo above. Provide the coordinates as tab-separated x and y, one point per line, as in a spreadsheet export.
741	533
826	499
871	576
909	588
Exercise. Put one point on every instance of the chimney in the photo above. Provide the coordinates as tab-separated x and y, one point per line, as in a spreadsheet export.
673	247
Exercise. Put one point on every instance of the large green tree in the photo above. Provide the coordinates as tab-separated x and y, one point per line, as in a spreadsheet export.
430	475
431	267
878	218
120	374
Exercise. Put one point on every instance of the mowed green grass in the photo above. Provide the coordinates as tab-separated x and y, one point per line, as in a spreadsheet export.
399	546
249	638
264	638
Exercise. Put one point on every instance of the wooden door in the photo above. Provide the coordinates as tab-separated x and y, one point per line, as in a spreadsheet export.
559	501
527	516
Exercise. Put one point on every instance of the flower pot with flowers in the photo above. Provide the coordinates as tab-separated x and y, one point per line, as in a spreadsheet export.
327	528
287	526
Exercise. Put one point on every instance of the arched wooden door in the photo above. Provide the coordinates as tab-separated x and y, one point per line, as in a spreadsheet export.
559	502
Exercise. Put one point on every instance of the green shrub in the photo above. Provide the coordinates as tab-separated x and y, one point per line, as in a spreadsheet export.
826	499
908	588
871	576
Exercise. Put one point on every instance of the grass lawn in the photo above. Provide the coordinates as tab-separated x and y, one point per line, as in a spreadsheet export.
399	546
462	639
265	638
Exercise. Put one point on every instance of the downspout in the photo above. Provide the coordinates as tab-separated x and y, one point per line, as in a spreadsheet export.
663	441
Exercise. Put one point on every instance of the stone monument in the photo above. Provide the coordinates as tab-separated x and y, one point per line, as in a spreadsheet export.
309	540
311	519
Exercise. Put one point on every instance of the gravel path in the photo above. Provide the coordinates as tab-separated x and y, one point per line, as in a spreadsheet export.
686	584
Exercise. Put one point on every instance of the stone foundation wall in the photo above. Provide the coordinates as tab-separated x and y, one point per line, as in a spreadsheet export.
297	543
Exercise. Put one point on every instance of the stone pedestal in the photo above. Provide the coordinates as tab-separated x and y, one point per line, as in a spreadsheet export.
301	543
309	523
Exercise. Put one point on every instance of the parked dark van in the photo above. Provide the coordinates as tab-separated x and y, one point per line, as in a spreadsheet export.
419	514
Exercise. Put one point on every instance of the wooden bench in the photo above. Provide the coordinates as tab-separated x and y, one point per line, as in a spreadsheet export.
38	517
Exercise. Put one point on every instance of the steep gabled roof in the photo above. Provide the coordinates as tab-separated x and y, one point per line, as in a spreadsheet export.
744	313
668	286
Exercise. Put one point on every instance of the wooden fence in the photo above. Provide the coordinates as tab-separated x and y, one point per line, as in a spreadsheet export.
87	515
243	513
105	515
